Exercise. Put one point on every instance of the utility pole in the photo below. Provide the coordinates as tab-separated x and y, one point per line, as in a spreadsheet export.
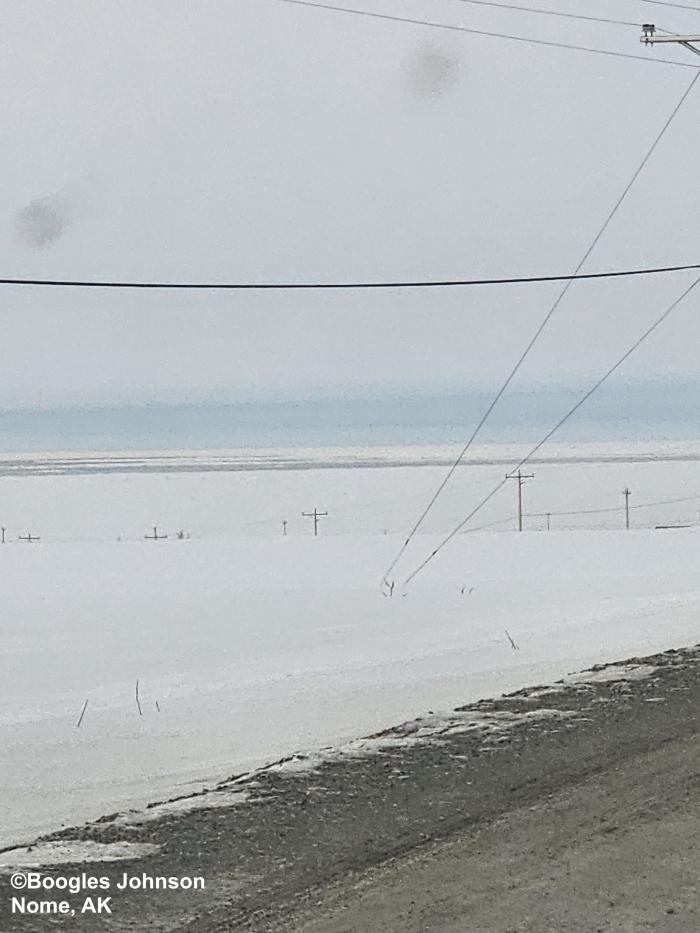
155	536
549	520
649	37
284	528
521	477
315	515
3	530
626	493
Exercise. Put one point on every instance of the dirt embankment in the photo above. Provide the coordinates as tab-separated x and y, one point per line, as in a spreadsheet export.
562	810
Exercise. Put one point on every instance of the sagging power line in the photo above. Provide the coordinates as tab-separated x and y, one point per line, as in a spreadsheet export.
647	333
540	329
398	283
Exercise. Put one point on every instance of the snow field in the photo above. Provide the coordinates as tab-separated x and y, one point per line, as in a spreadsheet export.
255	646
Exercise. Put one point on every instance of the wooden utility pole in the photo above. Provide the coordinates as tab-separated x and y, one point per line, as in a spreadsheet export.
284	528
315	515
155	536
3	530
627	495
549	520
521	477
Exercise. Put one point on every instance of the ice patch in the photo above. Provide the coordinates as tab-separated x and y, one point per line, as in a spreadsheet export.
611	673
501	720
73	851
545	692
302	763
428	729
209	800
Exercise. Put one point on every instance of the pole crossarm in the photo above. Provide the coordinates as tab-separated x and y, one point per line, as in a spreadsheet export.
655	39
649	37
315	515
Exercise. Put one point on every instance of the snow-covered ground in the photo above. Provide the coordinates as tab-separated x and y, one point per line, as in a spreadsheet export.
248	645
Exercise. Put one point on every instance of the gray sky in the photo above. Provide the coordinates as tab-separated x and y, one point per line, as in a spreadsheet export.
255	140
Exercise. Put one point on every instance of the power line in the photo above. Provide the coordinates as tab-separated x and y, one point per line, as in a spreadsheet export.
539	10
649	505
482	32
647	333
558	13
399	283
501	521
677	6
619	508
540	329
576	512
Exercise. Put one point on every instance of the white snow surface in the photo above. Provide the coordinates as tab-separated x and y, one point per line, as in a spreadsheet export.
256	645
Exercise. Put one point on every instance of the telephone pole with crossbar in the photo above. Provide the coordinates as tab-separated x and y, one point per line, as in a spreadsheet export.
315	515
155	536
521	477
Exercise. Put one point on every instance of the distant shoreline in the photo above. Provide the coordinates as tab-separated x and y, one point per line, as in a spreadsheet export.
250	459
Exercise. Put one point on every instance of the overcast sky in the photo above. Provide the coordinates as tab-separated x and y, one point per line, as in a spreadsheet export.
253	140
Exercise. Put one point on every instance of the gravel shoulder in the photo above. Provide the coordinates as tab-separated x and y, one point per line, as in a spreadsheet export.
619	851
564	808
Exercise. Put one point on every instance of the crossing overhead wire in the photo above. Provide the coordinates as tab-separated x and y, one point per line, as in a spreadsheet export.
561	15
542	12
669	3
545	321
562	421
487	33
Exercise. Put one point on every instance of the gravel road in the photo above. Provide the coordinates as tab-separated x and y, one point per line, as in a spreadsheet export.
618	851
565	809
